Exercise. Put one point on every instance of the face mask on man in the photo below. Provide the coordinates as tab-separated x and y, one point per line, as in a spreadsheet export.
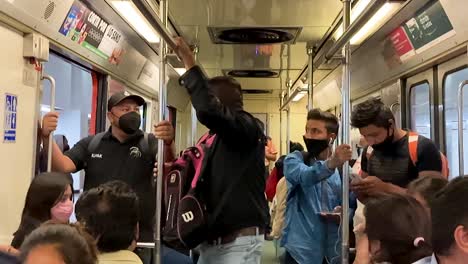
316	146
129	122
62	211
387	143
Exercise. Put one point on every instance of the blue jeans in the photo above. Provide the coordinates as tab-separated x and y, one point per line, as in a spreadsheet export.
169	256
244	250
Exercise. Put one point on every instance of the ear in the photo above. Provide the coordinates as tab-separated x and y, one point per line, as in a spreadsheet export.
137	232
110	116
461	238
333	136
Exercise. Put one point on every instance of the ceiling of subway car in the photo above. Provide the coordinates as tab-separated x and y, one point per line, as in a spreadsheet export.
312	17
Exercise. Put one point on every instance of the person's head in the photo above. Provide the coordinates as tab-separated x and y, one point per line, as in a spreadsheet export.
398	228
58	244
424	189
295	146
320	131
123	112
227	90
110	214
375	122
49	197
449	211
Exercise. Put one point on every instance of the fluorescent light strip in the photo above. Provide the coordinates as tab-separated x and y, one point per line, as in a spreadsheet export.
299	96
376	21
139	23
180	71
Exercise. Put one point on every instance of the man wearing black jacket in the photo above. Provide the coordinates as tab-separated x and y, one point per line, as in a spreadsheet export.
237	164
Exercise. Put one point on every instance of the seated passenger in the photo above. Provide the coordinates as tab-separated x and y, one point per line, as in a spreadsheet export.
402	236
425	188
235	172
110	214
449	210
49	197
58	244
310	235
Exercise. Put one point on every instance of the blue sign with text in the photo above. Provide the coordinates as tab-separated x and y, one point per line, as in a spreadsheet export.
9	131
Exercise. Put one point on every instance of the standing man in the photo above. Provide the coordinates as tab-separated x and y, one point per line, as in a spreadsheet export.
123	153
313	207
235	169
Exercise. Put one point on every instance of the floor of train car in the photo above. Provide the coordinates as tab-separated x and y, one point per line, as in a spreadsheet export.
269	253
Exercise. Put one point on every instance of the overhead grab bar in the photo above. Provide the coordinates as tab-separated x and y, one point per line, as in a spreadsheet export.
52	108
156	22
461	164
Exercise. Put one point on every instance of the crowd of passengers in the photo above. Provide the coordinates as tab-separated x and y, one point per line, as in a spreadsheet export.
403	209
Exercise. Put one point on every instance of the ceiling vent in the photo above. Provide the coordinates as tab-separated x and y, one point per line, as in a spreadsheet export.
256	91
252	73
253	35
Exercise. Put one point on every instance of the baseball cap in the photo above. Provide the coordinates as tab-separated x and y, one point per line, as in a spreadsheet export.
116	98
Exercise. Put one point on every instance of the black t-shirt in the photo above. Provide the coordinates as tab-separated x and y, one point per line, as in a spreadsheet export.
126	161
395	166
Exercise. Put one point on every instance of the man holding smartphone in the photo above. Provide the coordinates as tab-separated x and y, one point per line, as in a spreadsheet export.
313	208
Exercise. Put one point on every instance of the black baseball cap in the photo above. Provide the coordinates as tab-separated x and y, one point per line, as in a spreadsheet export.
116	98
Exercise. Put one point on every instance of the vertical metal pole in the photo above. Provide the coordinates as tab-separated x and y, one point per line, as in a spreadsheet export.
163	8
461	157
345	122
288	133
310	77
193	113
52	108
281	132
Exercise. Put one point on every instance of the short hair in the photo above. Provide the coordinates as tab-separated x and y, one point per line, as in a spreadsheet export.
371	112
427	187
73	244
110	214
398	231
331	121
449	210
293	146
228	90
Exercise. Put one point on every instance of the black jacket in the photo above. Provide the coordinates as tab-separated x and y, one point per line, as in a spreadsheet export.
239	152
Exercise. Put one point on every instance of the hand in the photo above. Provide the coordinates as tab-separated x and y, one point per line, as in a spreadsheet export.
164	130
184	52
49	123
369	186
342	154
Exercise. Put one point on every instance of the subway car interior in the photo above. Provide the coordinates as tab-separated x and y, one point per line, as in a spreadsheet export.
289	57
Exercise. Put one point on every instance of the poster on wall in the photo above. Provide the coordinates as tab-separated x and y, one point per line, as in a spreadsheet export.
427	28
9	125
87	28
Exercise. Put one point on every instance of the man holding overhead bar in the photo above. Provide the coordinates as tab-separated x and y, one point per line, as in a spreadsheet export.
123	153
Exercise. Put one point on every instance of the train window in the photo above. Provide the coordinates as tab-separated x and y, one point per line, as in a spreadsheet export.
451	83
420	109
73	101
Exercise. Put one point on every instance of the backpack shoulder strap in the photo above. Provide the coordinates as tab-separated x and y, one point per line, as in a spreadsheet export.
95	142
413	139
144	143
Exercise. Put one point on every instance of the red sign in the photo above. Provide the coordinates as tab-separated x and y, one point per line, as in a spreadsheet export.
402	44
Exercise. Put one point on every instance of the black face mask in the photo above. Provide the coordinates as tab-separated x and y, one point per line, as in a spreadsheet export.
387	144
130	122
316	146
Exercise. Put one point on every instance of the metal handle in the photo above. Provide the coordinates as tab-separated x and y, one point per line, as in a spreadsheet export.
145	245
52	108
461	168
393	106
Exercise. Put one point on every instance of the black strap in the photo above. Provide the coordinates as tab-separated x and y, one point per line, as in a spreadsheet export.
95	142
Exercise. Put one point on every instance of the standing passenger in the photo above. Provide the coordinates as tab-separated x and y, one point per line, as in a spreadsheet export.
310	235
124	153
237	164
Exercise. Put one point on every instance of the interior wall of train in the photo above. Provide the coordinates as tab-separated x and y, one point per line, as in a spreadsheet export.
93	49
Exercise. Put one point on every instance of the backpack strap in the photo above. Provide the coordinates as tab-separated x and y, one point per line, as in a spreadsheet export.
95	141
144	143
413	139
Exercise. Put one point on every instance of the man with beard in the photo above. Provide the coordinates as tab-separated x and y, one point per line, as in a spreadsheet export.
235	169
311	233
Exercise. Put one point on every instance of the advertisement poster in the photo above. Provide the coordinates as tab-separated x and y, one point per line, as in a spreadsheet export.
9	131
87	28
402	44
429	27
